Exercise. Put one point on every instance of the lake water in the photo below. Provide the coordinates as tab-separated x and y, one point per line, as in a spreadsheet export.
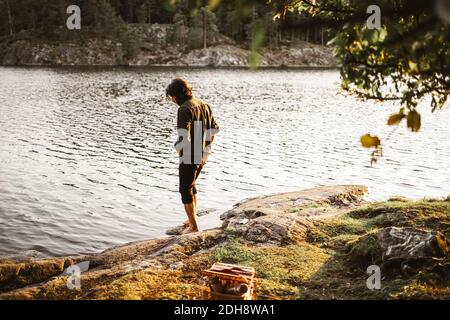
87	159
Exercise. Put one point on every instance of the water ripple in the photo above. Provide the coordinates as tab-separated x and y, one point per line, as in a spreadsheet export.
87	160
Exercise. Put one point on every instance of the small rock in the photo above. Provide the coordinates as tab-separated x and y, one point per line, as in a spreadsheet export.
243	221
175	231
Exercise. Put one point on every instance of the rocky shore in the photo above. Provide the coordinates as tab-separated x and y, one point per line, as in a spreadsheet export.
155	48
311	244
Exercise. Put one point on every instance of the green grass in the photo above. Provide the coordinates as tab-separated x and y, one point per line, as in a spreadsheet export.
280	270
322	268
330	264
428	214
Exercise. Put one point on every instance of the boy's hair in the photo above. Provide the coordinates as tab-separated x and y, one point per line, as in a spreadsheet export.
180	89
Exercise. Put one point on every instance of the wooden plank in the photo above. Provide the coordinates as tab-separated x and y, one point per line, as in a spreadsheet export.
231	273
226	276
230	268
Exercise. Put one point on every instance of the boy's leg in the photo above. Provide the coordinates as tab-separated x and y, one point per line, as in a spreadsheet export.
192	216
188	174
194	196
194	189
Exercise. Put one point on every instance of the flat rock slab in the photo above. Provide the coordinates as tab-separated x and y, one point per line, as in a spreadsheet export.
338	196
274	219
286	217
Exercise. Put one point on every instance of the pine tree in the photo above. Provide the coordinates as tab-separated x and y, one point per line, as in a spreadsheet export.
144	11
233	23
10	20
179	29
205	19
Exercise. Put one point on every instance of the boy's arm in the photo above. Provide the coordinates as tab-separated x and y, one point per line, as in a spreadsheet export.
214	126
183	126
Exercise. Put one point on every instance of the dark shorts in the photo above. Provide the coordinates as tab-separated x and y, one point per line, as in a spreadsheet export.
188	174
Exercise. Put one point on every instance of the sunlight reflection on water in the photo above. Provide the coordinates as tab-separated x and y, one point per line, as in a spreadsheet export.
87	159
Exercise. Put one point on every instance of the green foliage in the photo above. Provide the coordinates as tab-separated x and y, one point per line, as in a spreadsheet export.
405	52
396	118
405	60
424	214
331	263
280	270
413	120
106	20
180	31
203	22
257	40
234	18
369	141
145	10
232	23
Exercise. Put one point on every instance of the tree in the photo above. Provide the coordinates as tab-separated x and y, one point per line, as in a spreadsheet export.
209	23
272	29
144	12
405	60
203	10
10	20
179	29
233	23
204	19
54	16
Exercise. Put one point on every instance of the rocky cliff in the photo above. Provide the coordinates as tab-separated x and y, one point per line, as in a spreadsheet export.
311	244
155	45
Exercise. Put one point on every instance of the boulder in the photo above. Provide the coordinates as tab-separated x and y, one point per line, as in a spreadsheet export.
286	217
407	243
24	273
398	246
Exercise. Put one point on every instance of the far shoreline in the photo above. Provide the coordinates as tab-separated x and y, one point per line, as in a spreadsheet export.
162	67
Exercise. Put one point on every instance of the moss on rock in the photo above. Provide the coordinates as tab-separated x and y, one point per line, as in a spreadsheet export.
365	250
326	260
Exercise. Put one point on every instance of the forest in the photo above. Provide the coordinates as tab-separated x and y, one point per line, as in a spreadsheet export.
237	19
409	50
